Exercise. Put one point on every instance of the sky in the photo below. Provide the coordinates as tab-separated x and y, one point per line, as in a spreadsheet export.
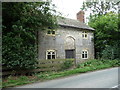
68	8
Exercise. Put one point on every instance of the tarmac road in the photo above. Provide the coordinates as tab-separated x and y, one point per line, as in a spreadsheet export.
107	78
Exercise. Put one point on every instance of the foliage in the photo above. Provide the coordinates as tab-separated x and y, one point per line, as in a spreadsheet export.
90	65
15	81
106	33
21	23
105	20
111	52
96	64
100	7
67	64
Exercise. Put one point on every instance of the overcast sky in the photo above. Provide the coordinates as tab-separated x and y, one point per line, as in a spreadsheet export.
68	8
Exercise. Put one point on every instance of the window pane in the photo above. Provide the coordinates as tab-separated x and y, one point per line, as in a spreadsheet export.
85	55
49	32
48	56
53	56
48	52
82	35
83	52
53	32
85	35
53	53
82	55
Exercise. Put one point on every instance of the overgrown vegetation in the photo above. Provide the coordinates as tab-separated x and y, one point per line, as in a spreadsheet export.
100	63
67	64
21	22
104	18
106	36
90	65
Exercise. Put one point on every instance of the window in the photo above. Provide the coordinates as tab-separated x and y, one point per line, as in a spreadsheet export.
84	54
50	54
50	32
84	34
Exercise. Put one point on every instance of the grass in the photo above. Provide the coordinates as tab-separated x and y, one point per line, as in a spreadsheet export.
87	66
17	80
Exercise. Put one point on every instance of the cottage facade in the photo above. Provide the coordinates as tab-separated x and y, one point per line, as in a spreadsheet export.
72	39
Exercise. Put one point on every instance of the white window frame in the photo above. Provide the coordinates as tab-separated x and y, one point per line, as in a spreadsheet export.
84	34
51	54
84	52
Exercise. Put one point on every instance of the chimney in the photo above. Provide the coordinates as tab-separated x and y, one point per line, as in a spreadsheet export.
80	16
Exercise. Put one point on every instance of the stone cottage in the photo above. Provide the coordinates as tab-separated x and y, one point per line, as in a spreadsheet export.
73	39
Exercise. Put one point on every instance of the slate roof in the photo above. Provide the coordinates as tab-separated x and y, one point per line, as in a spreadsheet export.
73	23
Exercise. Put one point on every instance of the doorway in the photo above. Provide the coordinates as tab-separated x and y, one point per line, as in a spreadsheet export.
70	53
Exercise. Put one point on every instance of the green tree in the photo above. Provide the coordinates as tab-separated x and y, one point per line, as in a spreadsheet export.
100	7
106	33
104	19
21	22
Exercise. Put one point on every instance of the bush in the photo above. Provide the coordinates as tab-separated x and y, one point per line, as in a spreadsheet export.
20	31
67	64
111	52
99	63
17	53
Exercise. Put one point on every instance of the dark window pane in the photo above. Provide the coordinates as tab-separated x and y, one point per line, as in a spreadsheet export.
85	35
49	32
48	56
53	56
82	55
53	52
53	32
83	52
85	55
49	27
48	52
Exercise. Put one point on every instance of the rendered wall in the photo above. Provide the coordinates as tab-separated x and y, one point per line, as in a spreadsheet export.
66	38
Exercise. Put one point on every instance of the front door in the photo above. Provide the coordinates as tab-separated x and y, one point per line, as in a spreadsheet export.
70	53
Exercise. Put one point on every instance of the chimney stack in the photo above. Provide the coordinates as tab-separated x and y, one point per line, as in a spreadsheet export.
80	16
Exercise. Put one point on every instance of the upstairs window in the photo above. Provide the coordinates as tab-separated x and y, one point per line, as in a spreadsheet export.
84	54
51	32
84	34
50	54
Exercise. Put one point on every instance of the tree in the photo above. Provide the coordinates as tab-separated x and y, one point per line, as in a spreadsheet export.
106	32
21	22
104	19
100	7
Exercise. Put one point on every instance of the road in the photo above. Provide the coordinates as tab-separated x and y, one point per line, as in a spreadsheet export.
107	78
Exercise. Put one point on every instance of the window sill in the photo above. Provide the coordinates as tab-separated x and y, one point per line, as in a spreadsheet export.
50	35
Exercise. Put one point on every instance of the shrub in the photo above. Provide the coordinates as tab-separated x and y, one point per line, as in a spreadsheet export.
20	32
16	55
67	64
99	63
111	52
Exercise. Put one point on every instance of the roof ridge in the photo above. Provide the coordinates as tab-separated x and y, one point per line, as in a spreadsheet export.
72	23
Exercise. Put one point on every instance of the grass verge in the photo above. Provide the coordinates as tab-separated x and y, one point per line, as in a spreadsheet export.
90	65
